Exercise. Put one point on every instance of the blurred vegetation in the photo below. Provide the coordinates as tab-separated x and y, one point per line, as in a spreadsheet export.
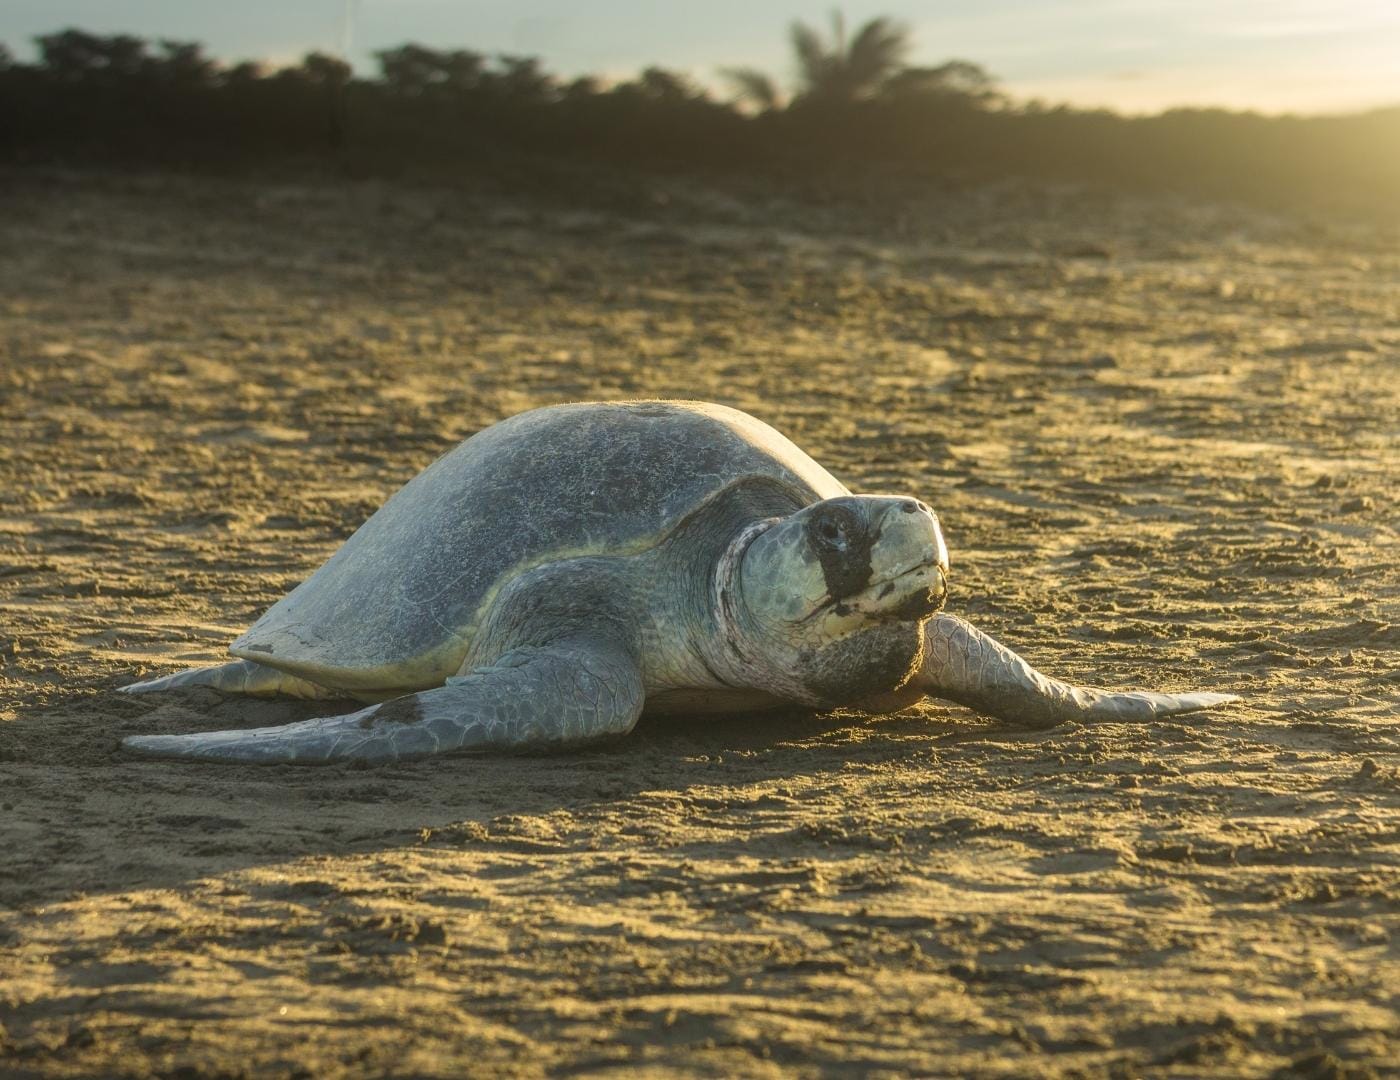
856	114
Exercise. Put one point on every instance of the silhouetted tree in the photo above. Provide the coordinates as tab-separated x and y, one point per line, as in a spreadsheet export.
73	56
183	64
838	69
321	70
962	79
841	70
414	71
582	88
753	87
245	72
521	79
659	85
858	111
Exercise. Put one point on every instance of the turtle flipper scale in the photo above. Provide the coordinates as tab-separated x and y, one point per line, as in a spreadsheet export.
532	697
963	664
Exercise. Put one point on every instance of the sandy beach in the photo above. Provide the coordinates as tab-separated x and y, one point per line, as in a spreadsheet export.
1164	445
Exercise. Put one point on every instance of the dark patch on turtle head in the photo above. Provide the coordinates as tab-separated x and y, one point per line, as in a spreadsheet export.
401	710
842	541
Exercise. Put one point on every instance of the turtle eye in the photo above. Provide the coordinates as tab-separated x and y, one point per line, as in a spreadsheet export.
832	531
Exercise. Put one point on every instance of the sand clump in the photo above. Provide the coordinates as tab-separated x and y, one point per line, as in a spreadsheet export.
1163	442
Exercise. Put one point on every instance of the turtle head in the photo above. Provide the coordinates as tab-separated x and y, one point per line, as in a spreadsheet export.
834	597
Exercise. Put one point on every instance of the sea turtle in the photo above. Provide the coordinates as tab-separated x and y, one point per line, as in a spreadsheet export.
562	570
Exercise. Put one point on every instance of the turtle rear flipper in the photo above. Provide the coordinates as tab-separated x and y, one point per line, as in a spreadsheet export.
239	677
532	697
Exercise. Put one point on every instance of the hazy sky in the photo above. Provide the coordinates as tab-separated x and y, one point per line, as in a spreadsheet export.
1136	55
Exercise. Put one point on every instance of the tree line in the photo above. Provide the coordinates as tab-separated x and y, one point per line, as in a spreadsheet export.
855	112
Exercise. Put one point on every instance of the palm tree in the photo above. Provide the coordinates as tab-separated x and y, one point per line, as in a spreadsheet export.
848	70
834	70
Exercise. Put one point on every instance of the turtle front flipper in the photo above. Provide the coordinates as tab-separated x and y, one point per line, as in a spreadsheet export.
963	664
533	697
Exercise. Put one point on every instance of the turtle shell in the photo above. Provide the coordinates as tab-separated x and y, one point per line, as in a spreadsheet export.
397	605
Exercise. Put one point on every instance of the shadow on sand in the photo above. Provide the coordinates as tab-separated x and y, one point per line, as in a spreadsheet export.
80	816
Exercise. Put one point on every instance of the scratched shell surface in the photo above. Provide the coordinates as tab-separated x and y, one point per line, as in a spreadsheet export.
397	604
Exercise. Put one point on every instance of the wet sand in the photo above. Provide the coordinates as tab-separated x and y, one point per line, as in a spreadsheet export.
1162	438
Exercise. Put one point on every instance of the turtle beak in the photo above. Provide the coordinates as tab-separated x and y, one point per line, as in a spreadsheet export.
940	548
919	557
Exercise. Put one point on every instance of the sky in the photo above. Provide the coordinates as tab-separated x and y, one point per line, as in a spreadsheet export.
1308	56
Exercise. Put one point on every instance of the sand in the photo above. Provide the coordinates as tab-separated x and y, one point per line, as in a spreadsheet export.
1162	438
